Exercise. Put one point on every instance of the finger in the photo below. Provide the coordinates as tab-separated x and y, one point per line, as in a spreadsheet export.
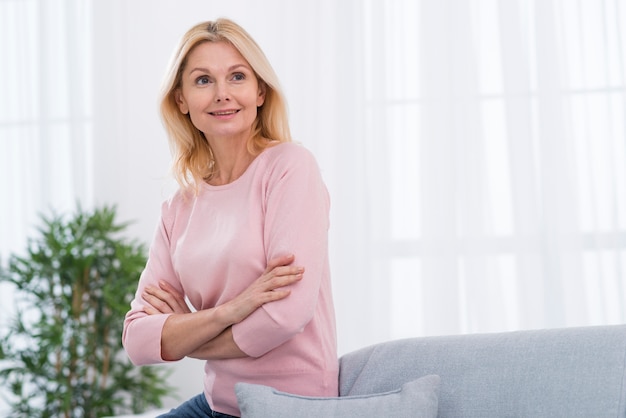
276	282
173	302
179	298
283	260
275	295
157	304
287	271
150	310
270	296
169	288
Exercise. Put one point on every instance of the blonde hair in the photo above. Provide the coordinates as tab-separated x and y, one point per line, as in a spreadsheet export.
193	160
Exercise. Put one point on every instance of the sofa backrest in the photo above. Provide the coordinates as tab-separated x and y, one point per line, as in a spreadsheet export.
568	372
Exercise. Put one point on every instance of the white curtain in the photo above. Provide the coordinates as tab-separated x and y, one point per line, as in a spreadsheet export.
477	159
45	121
45	117
475	150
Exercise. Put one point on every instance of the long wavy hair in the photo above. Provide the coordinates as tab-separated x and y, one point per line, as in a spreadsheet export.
193	160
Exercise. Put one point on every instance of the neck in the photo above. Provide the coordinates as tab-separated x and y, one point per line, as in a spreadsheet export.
232	159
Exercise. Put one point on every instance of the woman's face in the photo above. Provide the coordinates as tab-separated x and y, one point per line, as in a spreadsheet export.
220	92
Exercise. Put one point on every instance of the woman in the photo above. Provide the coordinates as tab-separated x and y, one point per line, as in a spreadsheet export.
244	239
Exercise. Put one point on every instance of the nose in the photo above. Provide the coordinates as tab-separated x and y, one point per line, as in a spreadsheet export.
221	93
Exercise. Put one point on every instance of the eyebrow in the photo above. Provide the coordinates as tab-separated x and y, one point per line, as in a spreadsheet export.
230	69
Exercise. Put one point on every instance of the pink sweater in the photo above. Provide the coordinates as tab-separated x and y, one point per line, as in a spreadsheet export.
214	245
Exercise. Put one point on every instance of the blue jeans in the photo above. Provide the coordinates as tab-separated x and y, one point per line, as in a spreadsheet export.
195	407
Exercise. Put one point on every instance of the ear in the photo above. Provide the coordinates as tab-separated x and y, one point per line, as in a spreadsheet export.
261	95
180	101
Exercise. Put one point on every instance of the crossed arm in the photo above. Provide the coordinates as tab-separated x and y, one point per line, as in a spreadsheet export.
207	334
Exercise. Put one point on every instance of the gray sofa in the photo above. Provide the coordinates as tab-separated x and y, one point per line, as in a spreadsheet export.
569	372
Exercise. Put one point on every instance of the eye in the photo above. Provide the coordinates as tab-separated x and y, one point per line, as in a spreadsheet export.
202	80
239	76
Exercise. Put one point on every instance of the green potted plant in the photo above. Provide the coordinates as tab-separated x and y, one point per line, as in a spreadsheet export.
61	355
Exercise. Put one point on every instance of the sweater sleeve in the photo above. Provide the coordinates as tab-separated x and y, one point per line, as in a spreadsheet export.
142	332
296	222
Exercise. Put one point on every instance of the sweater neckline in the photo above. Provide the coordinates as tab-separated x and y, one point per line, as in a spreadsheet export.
244	175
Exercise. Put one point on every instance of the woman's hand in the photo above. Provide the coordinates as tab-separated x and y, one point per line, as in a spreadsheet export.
164	299
207	333
267	288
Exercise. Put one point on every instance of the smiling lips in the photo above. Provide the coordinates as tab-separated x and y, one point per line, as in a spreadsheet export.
224	112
